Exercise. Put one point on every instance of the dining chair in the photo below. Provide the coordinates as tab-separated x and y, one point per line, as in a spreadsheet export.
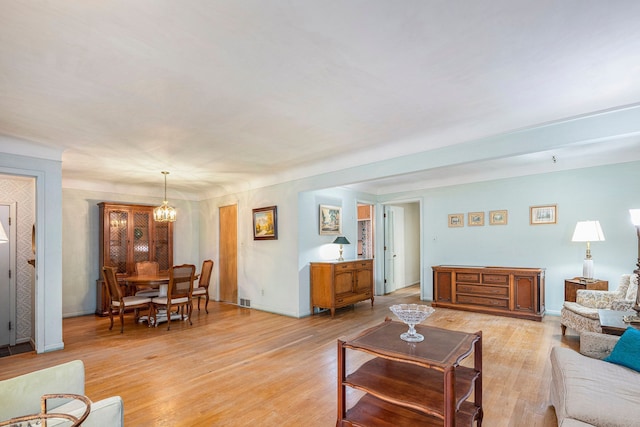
147	268
119	302
203	284
179	294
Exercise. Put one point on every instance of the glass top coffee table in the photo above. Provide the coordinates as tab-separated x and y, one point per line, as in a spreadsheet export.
612	323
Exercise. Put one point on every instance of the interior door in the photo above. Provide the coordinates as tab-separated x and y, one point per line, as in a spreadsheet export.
394	248
229	254
7	294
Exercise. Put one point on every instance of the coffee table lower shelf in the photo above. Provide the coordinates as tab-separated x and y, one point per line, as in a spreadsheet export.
373	412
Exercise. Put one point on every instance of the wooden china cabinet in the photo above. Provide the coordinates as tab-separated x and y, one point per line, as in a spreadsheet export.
128	234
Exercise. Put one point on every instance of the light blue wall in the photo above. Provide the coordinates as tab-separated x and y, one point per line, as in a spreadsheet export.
600	193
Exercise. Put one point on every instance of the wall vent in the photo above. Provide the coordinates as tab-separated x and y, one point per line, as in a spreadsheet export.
245	302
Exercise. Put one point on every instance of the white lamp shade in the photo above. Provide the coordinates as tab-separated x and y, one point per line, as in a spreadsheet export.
588	231
3	235
635	216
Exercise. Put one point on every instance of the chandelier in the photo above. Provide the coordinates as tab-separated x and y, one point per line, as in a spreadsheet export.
164	213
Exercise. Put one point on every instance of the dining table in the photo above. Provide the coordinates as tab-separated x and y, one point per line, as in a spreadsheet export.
159	281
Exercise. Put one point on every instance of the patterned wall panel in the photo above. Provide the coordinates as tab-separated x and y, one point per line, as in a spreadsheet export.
22	191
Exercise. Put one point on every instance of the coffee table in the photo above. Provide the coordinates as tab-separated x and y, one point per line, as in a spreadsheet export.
611	321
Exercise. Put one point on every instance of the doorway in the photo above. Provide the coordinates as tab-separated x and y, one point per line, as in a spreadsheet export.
7	277
402	243
228	263
365	231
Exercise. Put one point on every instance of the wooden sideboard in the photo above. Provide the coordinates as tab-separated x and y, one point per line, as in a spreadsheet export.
506	291
336	284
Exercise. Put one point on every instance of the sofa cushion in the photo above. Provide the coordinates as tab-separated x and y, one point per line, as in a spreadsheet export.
627	350
107	412
593	391
588	312
21	395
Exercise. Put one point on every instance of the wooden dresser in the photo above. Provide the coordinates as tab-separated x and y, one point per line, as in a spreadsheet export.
507	291
336	284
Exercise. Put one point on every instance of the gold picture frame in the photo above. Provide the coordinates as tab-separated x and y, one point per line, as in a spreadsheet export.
265	223
330	220
499	217
456	220
543	214
475	219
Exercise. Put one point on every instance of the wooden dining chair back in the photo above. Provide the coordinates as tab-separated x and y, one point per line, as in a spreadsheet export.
147	268
118	301
202	291
179	293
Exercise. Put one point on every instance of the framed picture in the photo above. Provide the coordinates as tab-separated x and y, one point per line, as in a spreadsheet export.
330	220
475	218
456	220
546	214
498	217
265	223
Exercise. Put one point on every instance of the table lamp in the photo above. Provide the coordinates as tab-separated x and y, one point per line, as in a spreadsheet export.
635	220
341	240
588	231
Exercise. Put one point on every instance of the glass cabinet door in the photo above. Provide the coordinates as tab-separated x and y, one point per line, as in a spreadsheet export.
118	240
141	237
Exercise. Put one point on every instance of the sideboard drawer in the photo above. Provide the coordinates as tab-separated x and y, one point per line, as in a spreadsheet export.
483	290
491	302
496	279
468	277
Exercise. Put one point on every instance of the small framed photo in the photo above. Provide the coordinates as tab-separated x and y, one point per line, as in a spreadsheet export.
330	220
475	219
265	223
498	217
456	220
545	214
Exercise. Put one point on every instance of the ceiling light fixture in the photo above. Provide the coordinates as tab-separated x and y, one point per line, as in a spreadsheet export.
164	213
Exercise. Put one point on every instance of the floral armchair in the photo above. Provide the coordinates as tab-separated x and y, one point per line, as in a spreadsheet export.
582	315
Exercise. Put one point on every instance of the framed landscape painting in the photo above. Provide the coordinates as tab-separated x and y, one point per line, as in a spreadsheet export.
265	223
546	214
456	220
475	219
330	220
498	217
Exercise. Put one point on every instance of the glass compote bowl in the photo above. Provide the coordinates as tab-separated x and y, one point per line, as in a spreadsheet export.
412	314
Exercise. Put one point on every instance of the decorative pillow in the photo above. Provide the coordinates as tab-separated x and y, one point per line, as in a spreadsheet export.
632	290
627	350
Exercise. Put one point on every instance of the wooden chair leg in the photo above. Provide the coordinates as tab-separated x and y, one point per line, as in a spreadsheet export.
111	317
121	319
168	317
564	329
206	302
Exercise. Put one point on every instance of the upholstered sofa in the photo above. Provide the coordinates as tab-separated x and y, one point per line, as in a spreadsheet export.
587	391
582	315
21	396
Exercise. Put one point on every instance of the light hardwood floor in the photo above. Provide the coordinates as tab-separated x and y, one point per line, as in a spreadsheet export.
241	367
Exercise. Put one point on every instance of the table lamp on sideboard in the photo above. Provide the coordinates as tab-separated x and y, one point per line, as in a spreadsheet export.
341	240
588	231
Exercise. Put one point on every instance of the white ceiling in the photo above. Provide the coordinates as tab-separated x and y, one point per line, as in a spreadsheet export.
229	94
